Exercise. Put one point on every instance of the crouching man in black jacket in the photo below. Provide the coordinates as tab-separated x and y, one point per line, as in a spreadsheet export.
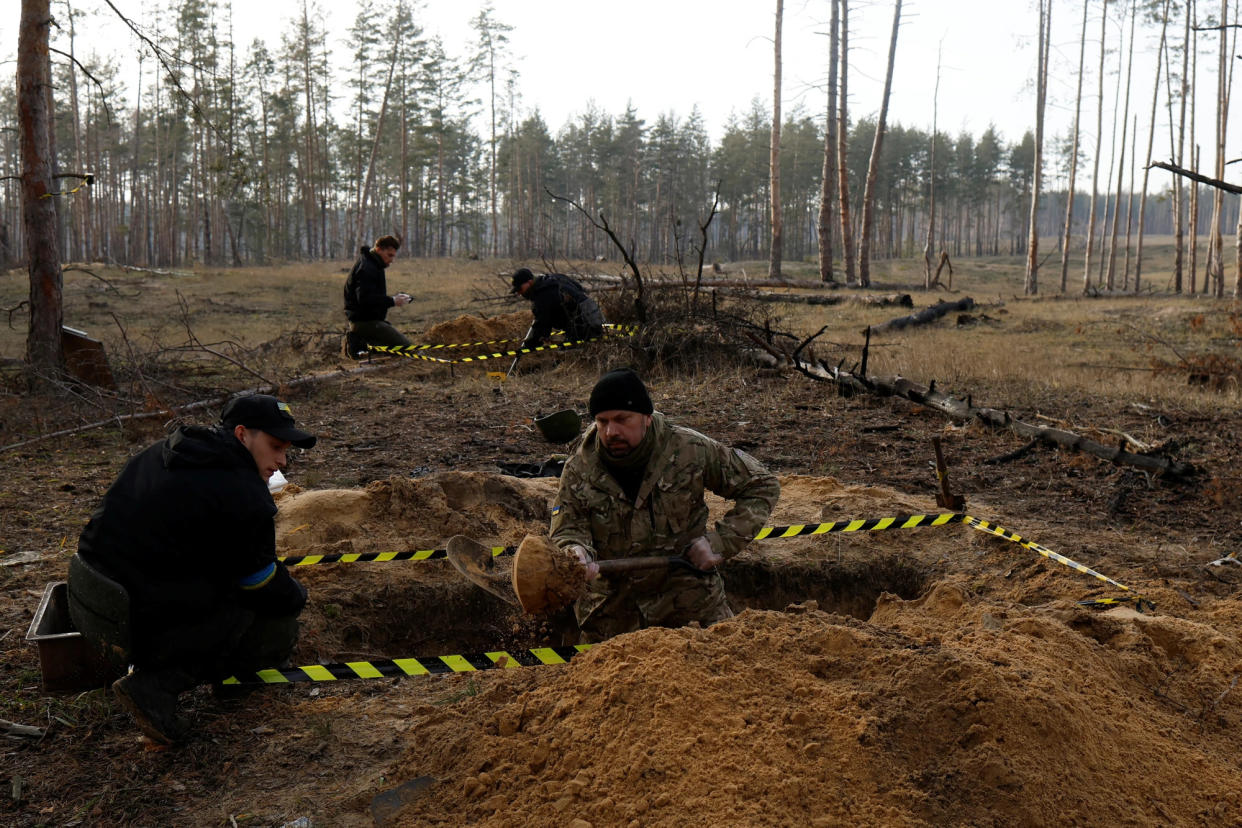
188	529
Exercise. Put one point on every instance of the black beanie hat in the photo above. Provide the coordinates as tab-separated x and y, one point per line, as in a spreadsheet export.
620	390
521	276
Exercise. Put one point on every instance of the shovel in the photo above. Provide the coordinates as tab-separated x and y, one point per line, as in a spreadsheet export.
546	578
522	344
476	562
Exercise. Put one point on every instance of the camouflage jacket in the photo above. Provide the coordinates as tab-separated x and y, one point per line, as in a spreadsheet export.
591	509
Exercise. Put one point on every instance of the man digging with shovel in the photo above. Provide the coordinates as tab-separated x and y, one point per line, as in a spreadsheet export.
634	489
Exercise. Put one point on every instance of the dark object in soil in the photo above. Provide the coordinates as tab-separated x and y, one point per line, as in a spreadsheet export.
560	427
386	806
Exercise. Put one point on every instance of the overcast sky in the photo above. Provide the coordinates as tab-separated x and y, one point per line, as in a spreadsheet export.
670	55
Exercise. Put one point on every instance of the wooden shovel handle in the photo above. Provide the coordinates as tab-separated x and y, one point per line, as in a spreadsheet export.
618	565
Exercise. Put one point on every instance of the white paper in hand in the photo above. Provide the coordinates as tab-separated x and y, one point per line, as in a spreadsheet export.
276	482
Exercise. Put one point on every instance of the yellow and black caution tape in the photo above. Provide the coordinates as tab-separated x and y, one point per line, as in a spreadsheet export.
861	525
86	180
625	330
400	667
1002	532
366	557
415	351
794	531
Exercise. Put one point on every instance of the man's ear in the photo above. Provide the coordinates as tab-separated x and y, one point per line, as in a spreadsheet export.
239	431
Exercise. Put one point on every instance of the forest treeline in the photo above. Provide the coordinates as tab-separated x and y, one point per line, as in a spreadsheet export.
224	153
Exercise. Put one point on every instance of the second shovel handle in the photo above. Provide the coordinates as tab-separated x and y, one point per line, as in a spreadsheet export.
617	565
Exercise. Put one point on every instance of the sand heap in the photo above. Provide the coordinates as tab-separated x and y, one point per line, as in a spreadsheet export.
404	514
943	710
466	329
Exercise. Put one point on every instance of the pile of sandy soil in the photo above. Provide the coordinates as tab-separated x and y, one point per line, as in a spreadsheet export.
403	513
466	329
944	710
990	699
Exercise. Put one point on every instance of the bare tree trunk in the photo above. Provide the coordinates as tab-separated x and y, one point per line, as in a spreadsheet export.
1031	286
873	168
843	128
930	245
827	193
379	129
34	81
1125	282
1073	172
1194	222
1095	161
1216	264
1111	279
1179	190
774	152
1151	139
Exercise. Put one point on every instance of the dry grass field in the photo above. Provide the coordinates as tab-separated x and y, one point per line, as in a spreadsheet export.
960	658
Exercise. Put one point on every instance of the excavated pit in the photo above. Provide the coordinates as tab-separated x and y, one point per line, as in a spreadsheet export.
401	617
408	608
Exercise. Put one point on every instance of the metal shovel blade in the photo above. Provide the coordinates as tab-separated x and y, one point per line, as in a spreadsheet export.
475	561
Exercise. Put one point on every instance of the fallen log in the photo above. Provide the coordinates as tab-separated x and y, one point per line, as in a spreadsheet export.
803	284
898	299
924	316
965	411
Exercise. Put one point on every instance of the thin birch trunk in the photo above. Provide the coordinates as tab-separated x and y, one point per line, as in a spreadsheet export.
929	244
1111	280
774	153
1151	140
1031	285
1066	236
1095	161
828	182
873	167
843	128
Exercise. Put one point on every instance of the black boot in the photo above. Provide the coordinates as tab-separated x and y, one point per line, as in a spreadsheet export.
151	698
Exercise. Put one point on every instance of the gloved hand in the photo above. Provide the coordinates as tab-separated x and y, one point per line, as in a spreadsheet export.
701	554
584	558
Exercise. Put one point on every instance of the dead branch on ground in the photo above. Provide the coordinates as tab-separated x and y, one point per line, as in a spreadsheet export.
899	299
924	316
112	287
966	411
22	304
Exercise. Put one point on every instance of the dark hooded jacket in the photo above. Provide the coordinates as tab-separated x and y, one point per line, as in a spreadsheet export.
558	302
366	289
187	526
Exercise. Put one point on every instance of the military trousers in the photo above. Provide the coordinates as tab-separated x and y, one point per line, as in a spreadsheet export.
685	598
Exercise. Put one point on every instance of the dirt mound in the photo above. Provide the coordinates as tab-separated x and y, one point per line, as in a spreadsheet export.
402	514
943	710
465	329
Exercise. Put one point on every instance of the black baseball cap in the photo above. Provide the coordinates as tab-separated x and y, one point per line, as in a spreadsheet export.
266	413
521	276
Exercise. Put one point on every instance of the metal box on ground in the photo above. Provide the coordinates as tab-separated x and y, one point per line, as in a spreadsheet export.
68	661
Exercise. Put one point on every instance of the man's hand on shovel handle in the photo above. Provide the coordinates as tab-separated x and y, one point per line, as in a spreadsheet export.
701	554
592	568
